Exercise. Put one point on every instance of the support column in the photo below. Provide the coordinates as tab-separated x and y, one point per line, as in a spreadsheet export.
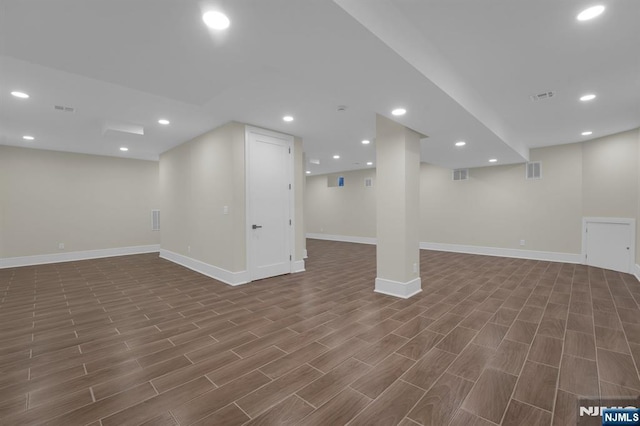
398	209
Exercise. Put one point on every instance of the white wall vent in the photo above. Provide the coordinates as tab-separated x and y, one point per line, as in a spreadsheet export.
155	220
368	182
534	170
542	96
460	174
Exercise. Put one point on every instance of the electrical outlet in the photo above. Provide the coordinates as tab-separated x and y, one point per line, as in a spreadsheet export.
521	242
60	246
188	249
415	268
225	210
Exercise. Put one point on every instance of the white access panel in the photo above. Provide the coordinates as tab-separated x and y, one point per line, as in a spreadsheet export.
609	243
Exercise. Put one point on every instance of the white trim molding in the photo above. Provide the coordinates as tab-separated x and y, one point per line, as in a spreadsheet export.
305	254
637	272
41	259
398	289
342	238
227	277
297	266
549	256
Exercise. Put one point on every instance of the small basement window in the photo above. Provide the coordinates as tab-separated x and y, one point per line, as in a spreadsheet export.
534	170
460	174
335	180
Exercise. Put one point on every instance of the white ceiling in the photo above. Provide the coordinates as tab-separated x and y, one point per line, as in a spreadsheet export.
463	69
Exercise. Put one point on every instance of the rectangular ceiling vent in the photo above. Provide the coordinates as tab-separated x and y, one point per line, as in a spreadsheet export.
63	108
460	174
542	96
155	220
368	182
116	128
534	170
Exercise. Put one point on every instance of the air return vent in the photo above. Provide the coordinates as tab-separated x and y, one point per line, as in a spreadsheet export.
534	170
460	174
542	96
63	108
155	220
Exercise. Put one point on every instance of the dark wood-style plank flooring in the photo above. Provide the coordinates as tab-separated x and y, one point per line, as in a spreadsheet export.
138	340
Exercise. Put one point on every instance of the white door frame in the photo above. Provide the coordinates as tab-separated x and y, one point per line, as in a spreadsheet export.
623	220
248	207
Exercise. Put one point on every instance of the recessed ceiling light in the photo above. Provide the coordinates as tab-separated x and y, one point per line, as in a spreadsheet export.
399	111
28	138
216	20
369	163
461	143
590	13
336	157
21	95
493	160
587	133
124	148
164	121
588	97
308	172
366	142
287	118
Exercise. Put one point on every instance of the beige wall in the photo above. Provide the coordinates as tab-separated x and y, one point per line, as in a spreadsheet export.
348	210
610	176
197	179
497	206
87	202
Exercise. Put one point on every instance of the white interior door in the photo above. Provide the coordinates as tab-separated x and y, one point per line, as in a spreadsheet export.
269	178
609	244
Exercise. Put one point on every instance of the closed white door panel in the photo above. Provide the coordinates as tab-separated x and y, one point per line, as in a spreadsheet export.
269	195
608	245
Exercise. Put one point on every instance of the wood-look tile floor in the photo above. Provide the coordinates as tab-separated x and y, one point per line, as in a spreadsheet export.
138	340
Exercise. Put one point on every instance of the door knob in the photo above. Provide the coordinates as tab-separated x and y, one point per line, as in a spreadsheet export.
256	226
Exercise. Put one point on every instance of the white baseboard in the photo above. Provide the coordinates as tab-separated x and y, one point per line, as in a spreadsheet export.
41	259
398	289
342	238
460	248
637	272
227	277
505	252
305	254
297	266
